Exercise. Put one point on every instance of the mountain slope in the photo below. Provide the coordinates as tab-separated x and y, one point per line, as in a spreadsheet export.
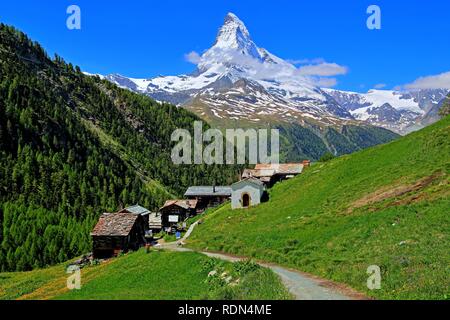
386	206
72	147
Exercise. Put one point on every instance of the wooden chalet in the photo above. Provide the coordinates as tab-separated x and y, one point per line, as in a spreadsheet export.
175	212
208	197
270	174
118	232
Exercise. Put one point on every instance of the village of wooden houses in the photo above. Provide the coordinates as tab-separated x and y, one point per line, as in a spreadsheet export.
134	227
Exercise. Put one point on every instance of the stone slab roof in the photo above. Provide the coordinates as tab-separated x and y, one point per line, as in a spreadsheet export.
115	224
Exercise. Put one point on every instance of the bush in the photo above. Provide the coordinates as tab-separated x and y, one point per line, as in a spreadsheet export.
327	157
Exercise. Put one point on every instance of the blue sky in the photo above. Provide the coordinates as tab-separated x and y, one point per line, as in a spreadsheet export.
149	38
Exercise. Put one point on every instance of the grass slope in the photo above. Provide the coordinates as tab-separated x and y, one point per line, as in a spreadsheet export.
387	206
153	276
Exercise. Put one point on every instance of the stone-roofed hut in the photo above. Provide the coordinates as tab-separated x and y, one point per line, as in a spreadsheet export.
118	232
266	176
270	174
285	170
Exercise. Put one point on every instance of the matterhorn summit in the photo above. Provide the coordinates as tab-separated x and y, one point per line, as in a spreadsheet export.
237	82
234	35
235	49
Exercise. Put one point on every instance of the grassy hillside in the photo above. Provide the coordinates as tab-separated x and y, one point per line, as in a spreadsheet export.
388	206
152	276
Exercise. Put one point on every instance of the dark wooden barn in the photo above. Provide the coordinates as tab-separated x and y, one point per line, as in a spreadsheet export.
175	212
118	232
208	197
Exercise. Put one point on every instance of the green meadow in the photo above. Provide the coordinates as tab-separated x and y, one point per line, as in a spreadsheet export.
156	275
387	206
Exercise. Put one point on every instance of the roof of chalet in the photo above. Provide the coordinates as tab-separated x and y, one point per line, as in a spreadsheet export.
286	168
208	191
115	224
137	209
250	180
185	204
258	173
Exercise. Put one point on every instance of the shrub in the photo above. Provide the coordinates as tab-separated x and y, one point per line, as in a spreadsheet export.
327	157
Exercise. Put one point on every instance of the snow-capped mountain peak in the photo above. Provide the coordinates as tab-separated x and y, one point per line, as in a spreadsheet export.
235	48
239	81
401	112
233	34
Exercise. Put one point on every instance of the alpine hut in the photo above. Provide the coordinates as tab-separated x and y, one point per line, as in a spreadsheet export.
116	233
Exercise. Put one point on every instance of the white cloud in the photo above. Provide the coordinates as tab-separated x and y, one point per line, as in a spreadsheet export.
324	69
440	81
193	57
317	71
254	67
380	86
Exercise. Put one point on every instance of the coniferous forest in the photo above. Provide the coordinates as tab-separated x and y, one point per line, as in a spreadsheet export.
74	146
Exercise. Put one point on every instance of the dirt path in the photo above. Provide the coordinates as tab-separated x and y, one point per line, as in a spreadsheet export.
301	285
